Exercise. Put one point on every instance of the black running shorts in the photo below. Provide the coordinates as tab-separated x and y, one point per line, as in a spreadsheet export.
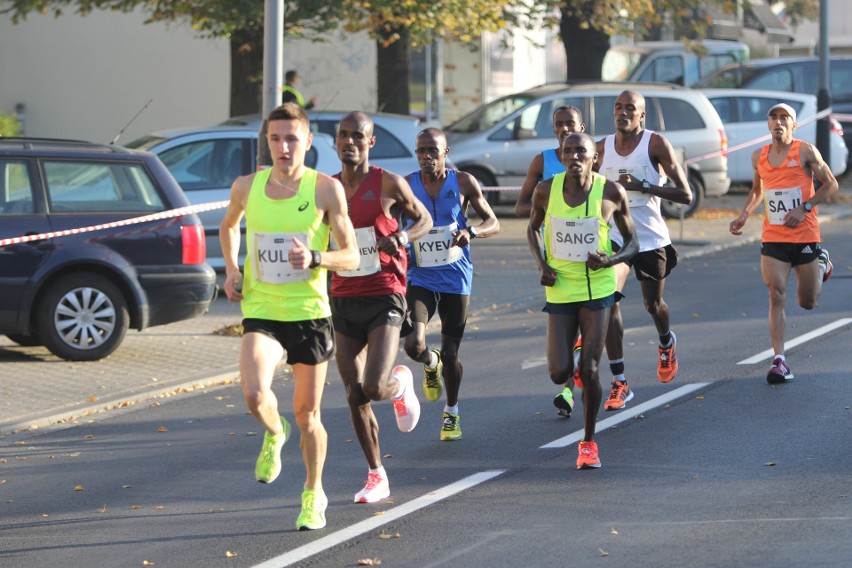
309	342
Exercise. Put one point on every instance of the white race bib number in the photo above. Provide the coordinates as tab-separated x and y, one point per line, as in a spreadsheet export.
434	248
368	254
779	202
634	198
573	239
271	260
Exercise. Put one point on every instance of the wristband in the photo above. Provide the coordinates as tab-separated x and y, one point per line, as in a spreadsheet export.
401	238
316	259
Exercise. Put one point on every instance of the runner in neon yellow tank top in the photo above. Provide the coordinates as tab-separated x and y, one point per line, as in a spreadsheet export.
576	209
290	211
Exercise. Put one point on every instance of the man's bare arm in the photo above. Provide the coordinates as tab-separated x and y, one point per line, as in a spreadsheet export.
331	198
523	205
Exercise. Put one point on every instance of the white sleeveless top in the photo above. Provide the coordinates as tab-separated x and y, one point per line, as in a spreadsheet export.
651	229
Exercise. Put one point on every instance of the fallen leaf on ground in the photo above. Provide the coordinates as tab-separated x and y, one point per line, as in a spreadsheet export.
369	562
771	463
79	488
162	429
603	552
230	554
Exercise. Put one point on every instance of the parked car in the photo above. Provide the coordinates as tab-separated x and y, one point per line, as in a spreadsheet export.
395	136
670	61
790	75
79	294
205	161
497	141
744	112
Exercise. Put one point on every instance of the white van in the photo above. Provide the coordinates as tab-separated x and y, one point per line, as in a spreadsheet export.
670	61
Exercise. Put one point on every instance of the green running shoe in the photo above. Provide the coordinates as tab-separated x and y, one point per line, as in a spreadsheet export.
268	464
433	387
564	402
312	517
451	429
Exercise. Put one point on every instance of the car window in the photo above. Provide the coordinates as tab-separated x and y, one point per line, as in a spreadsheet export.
388	145
16	192
756	109
664	70
709	63
775	80
841	81
604	121
207	164
725	108
677	114
487	116
99	187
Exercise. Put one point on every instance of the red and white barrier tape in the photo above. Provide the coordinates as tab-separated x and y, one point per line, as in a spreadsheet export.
179	212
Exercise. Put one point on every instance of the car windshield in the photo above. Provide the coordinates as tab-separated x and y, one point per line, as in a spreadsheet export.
732	78
487	116
618	65
145	143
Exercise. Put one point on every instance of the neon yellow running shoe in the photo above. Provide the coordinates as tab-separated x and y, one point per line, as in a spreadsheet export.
433	387
564	402
451	428
268	464
312	517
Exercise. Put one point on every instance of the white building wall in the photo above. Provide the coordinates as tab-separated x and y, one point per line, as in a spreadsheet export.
85	77
839	32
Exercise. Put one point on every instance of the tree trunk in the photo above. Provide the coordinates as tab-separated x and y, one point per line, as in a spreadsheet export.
246	71
584	48
393	74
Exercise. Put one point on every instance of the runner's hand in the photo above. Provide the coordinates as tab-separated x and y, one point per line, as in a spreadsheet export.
234	286
300	255
597	260
548	276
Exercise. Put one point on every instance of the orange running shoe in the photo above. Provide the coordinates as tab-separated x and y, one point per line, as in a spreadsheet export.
578	349
618	396
667	366
588	457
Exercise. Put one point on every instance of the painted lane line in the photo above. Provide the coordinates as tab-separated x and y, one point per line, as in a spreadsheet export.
769	353
626	415
373	523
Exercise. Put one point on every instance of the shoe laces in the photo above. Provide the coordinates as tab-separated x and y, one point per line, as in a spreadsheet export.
449	423
619	390
432	381
665	357
373	481
400	407
310	503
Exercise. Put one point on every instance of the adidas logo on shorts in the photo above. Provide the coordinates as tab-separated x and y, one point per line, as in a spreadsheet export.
807	249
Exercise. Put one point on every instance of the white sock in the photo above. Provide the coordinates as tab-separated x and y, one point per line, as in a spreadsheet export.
433	360
619	378
381	471
452	409
780	357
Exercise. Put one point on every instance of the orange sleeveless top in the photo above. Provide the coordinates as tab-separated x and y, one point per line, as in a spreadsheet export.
784	188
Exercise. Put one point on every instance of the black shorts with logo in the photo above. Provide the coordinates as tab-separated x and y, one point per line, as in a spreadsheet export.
357	316
652	264
573	308
793	254
309	342
451	308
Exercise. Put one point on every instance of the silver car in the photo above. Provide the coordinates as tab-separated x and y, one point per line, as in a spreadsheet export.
206	161
744	113
497	141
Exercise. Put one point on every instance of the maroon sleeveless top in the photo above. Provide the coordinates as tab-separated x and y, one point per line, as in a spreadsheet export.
365	210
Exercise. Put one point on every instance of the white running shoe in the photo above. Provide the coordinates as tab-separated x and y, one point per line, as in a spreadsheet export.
376	489
406	407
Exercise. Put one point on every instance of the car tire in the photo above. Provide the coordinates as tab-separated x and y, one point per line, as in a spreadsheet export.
82	317
25	340
485	179
672	210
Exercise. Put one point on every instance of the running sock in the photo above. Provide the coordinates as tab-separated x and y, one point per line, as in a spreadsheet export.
780	357
380	471
452	409
619	378
666	340
616	366
433	360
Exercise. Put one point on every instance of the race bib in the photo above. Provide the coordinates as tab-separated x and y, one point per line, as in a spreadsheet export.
573	239
271	261
368	254
634	198
434	248
779	202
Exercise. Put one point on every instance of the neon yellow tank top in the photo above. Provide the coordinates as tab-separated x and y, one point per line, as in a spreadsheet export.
575	282
271	288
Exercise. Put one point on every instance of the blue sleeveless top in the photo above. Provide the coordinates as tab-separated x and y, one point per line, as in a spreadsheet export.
552	164
446	209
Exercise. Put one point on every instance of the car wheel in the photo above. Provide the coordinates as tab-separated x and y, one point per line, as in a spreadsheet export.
82	317
485	179
25	340
673	210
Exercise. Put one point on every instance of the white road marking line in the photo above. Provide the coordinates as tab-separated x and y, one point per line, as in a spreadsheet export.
373	523
764	355
625	415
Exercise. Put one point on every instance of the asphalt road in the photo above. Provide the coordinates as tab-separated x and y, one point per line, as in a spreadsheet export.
714	469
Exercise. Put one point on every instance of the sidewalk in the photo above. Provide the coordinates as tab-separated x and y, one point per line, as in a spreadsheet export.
38	389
